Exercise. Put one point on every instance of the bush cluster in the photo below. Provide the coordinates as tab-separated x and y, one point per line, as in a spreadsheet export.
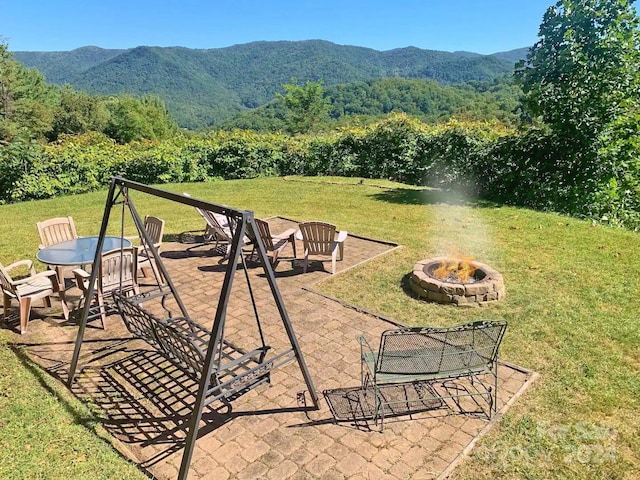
531	168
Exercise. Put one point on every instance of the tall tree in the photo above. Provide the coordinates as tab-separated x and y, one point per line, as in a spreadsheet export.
582	78
307	107
77	112
583	70
132	118
26	101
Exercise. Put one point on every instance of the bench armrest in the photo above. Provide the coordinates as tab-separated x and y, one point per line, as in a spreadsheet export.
258	352
366	352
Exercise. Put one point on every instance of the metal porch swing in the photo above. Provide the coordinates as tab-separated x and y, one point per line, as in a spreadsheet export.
222	370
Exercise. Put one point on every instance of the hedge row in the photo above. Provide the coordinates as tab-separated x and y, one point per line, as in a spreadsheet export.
530	169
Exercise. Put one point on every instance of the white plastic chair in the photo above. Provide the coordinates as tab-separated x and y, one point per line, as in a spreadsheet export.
34	287
118	271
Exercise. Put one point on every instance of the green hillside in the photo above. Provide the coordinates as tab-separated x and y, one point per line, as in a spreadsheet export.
425	99
62	67
204	87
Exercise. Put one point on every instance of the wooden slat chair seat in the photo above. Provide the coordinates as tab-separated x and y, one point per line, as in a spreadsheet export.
427	354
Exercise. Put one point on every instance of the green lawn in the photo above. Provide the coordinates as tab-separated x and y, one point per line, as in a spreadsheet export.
572	302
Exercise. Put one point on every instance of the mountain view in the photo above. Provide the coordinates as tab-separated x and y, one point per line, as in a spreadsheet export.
203	88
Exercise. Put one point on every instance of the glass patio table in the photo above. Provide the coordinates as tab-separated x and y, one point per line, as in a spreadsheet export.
79	251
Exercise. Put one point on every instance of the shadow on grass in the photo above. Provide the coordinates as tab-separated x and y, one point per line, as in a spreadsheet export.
430	196
139	397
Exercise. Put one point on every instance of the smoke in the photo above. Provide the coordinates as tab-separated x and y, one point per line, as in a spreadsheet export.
457	222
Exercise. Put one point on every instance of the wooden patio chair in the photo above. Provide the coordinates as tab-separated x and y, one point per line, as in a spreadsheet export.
118	272
155	229
275	244
56	230
25	290
217	229
321	238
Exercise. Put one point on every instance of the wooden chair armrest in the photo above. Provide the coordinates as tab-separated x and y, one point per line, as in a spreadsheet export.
82	278
21	263
82	273
51	274
289	233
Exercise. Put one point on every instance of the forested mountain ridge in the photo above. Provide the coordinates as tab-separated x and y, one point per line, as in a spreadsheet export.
204	87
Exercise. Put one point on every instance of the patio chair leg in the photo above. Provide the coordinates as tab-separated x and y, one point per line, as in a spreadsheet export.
103	312
6	303
65	306
25	311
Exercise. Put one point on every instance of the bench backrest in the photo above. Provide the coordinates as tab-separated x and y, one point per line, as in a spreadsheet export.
181	340
471	347
185	343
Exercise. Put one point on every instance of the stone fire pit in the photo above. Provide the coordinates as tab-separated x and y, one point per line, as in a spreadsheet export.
485	286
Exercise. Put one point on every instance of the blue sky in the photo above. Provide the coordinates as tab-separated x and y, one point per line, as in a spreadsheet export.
482	26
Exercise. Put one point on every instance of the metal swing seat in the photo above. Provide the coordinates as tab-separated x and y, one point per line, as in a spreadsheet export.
223	370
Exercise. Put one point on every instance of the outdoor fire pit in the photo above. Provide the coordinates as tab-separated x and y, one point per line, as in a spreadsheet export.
461	282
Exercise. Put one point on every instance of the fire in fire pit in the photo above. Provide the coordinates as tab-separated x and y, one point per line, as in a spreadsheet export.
456	268
456	279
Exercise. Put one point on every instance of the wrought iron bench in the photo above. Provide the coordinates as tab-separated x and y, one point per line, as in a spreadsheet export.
433	354
184	342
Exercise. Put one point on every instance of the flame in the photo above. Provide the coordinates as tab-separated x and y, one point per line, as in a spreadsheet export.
456	266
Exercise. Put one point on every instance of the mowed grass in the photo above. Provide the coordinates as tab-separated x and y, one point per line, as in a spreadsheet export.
572	302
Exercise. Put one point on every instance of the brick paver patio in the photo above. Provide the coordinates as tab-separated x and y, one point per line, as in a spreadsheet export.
268	434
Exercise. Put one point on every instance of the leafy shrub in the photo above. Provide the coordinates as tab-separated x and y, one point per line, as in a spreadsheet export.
534	168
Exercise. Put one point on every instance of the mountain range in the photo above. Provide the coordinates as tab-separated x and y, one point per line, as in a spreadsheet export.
202	87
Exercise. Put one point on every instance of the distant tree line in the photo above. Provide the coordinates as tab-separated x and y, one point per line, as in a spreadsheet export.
373	99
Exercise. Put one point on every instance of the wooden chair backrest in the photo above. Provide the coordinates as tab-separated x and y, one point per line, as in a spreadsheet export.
155	229
56	230
318	238
265	233
118	269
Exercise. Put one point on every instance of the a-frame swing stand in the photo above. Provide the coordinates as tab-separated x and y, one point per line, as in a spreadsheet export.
223	371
